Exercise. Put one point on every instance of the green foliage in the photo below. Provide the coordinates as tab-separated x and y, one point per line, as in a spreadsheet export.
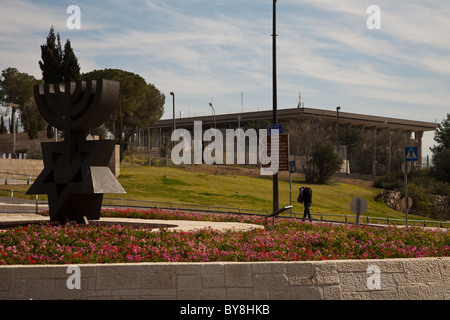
422	201
389	182
327	160
431	184
32	121
51	54
133	89
16	87
58	64
152	108
441	152
70	66
422	190
288	240
442	135
140	104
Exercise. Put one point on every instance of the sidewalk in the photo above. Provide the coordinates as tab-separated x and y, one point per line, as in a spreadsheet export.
23	211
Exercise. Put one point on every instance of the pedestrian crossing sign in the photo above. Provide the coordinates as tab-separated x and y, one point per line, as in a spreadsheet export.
412	153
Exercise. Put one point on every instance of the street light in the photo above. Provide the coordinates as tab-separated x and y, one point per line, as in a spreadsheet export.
338	108
173	103
214	112
275	100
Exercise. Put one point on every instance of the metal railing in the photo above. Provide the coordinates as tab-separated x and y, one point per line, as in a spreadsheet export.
16	178
337	218
334	218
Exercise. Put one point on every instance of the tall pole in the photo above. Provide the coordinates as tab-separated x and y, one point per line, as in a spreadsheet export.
406	188
14	130
173	104
214	113
338	130
275	102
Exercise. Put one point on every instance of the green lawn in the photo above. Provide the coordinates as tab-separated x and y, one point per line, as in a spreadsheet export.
179	185
175	184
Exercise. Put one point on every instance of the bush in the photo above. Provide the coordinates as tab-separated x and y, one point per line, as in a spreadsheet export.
422	201
327	160
388	182
421	189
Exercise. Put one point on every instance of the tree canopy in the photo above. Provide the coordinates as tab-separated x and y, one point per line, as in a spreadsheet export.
441	152
16	87
140	103
58	65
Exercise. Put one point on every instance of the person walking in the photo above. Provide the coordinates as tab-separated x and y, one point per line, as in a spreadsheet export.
306	193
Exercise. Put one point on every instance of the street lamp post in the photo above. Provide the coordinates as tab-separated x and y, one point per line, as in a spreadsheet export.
275	102
338	108
214	113
173	104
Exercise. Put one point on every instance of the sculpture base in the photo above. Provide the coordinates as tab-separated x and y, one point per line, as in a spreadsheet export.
76	207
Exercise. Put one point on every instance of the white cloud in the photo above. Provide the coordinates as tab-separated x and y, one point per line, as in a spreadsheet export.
216	48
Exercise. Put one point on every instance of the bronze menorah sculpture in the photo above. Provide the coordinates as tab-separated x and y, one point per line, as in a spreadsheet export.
76	173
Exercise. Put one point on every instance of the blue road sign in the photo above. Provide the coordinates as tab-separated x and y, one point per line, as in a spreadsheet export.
278	127
411	153
292	166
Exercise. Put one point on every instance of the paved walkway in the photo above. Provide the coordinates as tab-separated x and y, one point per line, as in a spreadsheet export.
17	210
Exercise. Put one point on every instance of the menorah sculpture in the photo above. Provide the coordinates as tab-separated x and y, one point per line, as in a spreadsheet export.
76	173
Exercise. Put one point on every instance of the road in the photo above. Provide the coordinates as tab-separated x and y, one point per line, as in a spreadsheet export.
20	206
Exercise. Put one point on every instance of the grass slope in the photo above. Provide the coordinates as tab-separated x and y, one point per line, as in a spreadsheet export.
175	184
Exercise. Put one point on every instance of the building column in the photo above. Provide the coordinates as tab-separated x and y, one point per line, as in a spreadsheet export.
419	136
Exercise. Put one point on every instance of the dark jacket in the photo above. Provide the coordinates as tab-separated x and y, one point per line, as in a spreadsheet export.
307	194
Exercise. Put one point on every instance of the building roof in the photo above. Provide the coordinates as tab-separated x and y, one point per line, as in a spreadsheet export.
284	115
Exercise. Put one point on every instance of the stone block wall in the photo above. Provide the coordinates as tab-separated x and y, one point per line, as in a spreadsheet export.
34	167
389	279
22	166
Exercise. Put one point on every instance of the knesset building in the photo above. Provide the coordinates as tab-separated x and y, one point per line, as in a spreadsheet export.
372	126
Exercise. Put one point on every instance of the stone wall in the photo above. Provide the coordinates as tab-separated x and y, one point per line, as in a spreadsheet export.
393	199
21	166
35	167
389	279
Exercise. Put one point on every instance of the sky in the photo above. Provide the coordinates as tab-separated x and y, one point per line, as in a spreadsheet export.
220	51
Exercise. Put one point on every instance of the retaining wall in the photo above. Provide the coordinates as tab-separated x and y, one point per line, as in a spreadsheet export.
34	167
22	166
389	279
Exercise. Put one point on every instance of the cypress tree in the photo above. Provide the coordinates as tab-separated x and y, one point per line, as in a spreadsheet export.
58	65
51	54
70	66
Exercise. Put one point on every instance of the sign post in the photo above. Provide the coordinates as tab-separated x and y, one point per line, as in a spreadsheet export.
411	154
358	206
291	171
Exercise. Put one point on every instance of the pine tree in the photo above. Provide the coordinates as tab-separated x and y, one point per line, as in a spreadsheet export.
441	151
51	54
58	65
70	66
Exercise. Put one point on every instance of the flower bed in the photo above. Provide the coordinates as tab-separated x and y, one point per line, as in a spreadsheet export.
288	240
